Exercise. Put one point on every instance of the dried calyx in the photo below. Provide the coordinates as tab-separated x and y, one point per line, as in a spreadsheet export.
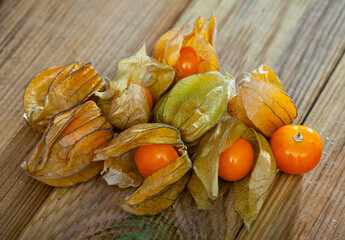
160	189
201	39
261	102
125	104
195	104
57	89
251	191
63	157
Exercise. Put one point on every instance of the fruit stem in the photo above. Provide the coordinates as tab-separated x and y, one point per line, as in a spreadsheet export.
298	137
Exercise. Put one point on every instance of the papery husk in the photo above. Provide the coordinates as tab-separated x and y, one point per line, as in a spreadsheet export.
63	157
140	68
200	194
159	53
251	191
195	104
264	106
201	38
121	171
204	182
156	203
57	89
139	135
261	102
125	106
160	189
266	74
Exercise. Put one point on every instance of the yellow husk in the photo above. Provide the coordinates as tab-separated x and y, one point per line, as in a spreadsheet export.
160	189
63	157
57	89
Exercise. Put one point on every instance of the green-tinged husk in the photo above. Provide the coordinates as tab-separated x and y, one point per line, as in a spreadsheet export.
251	191
195	104
140	68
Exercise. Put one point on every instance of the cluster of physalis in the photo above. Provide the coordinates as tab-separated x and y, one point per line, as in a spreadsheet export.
162	124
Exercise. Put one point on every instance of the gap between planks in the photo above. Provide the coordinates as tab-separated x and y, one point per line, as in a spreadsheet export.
177	18
313	104
177	9
150	46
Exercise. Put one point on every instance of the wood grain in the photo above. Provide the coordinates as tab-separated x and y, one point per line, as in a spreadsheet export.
20	195
42	34
38	34
312	206
301	40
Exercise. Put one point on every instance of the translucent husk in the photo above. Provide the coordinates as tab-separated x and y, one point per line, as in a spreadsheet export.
195	104
261	102
251	191
63	157
124	106
266	74
121	171
201	38
160	189
57	89
140	68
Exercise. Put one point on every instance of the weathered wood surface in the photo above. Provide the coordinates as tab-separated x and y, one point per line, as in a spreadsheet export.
38	34
302	40
312	206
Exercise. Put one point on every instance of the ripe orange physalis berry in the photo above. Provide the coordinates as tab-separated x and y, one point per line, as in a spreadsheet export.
149	158
148	93
236	161
297	149
188	62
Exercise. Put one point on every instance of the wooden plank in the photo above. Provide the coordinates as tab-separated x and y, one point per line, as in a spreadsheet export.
287	36
312	206
38	34
19	195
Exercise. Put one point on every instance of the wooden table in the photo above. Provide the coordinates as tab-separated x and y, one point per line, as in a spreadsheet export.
304	41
